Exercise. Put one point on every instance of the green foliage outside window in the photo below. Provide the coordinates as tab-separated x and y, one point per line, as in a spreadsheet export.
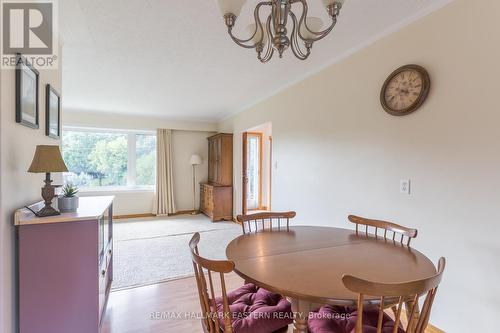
97	159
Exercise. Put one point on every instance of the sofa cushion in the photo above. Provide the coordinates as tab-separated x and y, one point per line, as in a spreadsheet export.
338	319
255	309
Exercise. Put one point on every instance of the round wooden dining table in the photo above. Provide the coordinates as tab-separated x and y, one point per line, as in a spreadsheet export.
306	264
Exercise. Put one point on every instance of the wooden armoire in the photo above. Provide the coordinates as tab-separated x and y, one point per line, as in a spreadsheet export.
216	195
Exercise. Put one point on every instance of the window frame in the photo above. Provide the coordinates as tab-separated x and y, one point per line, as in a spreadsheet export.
131	159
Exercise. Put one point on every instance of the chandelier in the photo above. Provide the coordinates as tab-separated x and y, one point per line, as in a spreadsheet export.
273	34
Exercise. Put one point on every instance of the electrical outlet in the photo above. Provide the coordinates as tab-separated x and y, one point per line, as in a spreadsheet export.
404	186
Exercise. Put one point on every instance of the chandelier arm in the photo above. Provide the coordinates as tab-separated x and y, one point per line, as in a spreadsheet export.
258	26
303	22
269	50
294	43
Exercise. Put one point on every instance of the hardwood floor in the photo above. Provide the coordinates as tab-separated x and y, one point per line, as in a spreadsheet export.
161	308
146	309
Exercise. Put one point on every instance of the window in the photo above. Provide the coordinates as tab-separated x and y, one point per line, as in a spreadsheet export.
104	158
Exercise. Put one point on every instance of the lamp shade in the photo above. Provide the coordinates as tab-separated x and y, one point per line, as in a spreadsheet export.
47	159
231	6
331	2
258	35
195	160
313	23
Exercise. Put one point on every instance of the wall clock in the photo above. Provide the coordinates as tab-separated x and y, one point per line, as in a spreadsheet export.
405	90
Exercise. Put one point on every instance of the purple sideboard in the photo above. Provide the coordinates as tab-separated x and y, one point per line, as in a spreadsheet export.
65	268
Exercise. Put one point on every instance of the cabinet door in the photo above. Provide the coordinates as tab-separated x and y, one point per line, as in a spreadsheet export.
211	161
210	199
202	198
218	159
226	163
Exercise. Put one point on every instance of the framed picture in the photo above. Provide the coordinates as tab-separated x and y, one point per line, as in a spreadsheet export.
27	83
52	112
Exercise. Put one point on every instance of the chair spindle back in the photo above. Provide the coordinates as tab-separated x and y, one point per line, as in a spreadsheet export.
204	268
400	233
256	222
403	292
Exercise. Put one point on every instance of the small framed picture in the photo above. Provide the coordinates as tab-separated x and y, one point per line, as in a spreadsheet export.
27	84
52	112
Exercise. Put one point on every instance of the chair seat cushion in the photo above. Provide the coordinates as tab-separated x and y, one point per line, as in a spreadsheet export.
255	309
339	319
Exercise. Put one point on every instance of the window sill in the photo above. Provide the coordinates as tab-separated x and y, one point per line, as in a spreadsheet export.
116	190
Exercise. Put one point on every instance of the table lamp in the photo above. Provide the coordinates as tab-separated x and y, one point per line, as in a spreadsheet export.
194	161
47	159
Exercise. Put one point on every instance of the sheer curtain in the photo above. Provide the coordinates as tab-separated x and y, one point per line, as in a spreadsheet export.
164	199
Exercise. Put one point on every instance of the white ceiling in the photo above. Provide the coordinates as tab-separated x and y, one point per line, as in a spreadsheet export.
173	59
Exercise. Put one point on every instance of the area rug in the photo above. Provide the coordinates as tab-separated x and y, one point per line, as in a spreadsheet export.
152	250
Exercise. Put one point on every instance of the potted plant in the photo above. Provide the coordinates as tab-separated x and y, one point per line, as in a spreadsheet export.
68	201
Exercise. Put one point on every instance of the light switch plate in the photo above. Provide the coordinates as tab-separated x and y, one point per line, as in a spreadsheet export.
404	186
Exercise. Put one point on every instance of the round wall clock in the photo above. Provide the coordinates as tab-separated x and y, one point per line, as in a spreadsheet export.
405	90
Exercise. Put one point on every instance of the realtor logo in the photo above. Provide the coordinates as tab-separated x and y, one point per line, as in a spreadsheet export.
28	28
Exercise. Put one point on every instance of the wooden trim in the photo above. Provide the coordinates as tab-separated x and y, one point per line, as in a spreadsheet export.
270	185
185	212
243	174
219	134
133	216
433	329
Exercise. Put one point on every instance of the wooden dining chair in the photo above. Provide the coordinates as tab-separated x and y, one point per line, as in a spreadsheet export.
266	220
398	232
373	318
244	310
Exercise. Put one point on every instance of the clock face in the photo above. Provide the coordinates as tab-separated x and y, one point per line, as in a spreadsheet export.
405	90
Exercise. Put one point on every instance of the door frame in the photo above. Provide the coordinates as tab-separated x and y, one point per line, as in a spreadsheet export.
244	177
270	194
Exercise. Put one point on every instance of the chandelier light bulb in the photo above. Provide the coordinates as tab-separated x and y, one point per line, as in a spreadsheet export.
258	34
331	2
314	24
231	6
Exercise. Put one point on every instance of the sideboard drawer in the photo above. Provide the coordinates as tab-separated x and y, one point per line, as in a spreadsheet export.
103	287
105	279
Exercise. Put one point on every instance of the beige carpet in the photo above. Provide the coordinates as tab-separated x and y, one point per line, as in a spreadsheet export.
156	249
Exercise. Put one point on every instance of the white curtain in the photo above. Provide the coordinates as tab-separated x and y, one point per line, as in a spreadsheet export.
164	198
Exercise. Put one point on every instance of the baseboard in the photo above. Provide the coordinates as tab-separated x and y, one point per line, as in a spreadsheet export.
133	216
432	329
185	212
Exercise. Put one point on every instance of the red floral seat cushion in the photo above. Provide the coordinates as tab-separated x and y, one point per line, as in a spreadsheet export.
338	319
256	310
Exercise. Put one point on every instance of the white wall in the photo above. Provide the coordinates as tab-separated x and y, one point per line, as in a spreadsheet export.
184	144
18	187
338	152
187	138
121	121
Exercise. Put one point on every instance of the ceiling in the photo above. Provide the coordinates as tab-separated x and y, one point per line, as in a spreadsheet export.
174	59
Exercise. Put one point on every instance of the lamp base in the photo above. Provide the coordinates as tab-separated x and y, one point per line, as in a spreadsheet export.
48	211
48	193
